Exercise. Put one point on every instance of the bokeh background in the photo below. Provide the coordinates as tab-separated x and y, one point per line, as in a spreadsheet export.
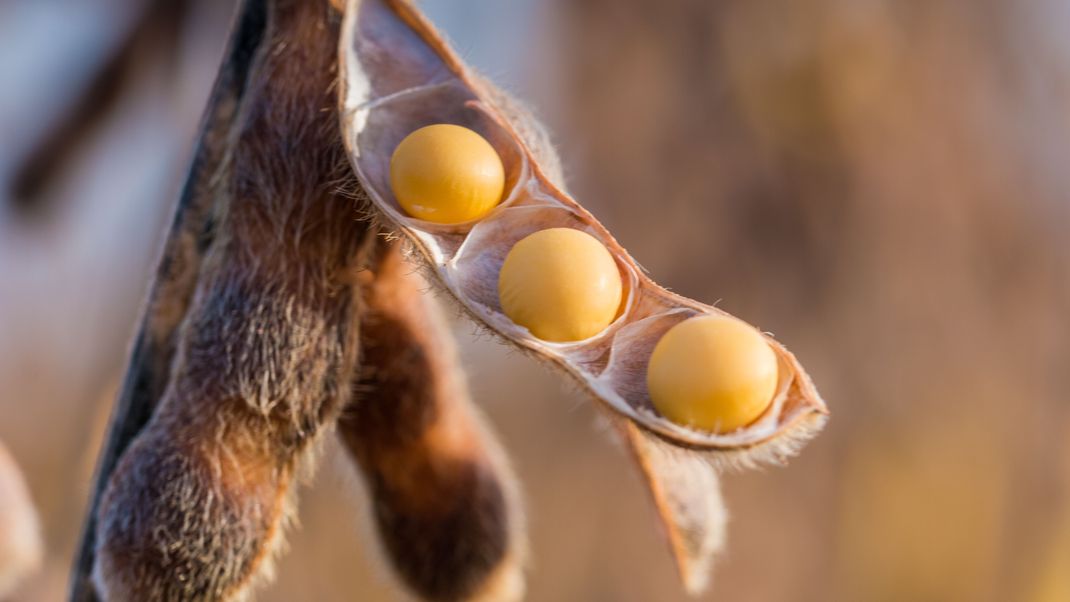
884	185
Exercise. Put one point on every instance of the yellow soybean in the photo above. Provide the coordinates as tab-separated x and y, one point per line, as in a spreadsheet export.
446	174
714	373
561	284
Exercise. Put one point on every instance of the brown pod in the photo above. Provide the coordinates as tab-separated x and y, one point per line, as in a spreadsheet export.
191	234
443	498
196	504
399	75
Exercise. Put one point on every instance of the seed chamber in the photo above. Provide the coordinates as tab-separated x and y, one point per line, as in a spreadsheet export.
476	267
624	383
388	94
389	120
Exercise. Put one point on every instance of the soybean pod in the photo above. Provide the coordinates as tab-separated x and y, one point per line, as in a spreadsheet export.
398	76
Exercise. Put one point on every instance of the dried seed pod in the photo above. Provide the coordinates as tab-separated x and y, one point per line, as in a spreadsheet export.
399	75
191	234
444	499
195	506
687	495
246	353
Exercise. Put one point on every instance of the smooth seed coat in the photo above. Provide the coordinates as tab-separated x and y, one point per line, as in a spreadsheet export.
446	174
561	284
714	373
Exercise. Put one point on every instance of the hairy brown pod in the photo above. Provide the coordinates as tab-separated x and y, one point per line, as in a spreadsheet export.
263	355
191	234
249	350
265	351
443	498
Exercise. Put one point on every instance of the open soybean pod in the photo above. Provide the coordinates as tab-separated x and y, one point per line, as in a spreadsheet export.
399	75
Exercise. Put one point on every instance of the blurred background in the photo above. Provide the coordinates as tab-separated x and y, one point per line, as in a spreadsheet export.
882	184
